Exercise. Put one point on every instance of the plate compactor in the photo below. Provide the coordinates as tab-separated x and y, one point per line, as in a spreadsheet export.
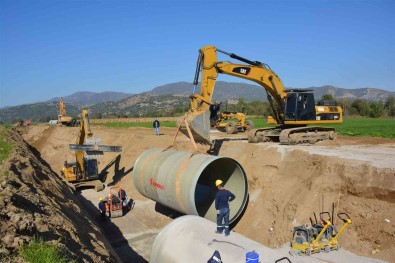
114	206
317	237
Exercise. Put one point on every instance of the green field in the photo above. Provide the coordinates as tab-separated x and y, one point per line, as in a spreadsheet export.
5	145
381	127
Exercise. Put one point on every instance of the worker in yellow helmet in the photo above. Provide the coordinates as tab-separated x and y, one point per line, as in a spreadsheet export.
222	199
102	208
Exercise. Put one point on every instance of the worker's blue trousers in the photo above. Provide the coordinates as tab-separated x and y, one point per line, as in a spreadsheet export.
223	215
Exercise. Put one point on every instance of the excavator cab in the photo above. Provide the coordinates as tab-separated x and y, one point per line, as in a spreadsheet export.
299	105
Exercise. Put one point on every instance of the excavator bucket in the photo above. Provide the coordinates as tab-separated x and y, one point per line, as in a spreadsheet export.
198	125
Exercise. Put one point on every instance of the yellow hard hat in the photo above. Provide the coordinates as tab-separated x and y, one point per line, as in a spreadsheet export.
218	182
100	199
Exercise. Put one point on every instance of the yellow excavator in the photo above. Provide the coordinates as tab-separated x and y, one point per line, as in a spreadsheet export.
63	118
83	173
293	110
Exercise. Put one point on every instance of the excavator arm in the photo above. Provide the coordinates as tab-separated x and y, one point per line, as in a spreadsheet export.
85	132
209	67
62	107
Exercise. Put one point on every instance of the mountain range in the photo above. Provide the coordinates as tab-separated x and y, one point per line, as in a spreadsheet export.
166	98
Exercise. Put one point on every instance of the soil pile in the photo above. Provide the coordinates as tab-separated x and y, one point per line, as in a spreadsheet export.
34	202
287	187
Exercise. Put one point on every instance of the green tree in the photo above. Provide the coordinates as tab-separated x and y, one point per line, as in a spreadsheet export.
376	109
389	106
327	97
361	107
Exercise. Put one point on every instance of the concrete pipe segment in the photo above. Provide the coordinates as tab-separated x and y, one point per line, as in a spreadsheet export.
193	239
185	181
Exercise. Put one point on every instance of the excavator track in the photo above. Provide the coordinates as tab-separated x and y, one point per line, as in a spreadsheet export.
292	136
306	135
264	135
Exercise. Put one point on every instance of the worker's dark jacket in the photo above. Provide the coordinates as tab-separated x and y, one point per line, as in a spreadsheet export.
156	124
122	194
222	199
102	206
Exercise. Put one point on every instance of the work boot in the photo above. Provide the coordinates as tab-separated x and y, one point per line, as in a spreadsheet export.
227	233
218	232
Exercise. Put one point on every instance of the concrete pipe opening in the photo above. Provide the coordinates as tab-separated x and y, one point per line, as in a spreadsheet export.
185	182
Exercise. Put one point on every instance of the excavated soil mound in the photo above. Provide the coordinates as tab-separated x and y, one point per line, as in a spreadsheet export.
34	202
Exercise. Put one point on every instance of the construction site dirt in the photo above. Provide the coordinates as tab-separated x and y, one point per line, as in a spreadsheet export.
286	185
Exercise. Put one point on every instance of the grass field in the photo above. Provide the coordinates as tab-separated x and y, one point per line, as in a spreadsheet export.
382	127
5	146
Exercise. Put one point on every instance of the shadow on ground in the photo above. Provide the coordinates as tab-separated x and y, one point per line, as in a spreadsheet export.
119	173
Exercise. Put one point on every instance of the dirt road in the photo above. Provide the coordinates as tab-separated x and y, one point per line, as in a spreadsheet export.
287	184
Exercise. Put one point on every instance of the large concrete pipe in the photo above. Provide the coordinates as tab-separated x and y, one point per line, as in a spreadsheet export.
185	182
193	239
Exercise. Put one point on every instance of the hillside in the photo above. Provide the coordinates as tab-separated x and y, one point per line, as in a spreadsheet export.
39	112
166	99
140	105
370	94
223	90
89	98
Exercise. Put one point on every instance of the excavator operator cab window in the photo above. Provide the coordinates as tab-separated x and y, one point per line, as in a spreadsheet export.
300	106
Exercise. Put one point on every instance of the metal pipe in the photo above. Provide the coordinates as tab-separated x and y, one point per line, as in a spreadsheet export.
185	181
193	239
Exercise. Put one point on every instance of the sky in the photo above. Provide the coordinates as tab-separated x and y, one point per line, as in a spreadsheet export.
52	48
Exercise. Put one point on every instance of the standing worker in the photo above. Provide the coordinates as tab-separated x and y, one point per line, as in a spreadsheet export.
222	199
124	198
102	208
156	125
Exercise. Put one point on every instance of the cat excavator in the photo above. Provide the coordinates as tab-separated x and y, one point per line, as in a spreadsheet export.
63	118
84	171
293	109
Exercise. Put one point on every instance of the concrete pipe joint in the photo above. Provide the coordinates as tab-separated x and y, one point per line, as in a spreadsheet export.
185	181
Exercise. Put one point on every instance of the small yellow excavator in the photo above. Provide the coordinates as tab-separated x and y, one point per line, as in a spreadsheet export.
293	110
223	120
63	118
84	171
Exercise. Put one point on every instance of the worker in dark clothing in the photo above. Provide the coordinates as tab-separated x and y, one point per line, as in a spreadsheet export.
123	197
222	199
102	208
156	126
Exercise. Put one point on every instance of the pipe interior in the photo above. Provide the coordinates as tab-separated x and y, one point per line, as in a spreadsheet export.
234	178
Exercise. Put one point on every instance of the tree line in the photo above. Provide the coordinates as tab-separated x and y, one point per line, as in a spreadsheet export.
357	107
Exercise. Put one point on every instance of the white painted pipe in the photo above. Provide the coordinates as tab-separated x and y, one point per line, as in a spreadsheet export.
185	182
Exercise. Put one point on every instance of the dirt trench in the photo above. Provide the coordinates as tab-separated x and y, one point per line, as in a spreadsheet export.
35	203
286	185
